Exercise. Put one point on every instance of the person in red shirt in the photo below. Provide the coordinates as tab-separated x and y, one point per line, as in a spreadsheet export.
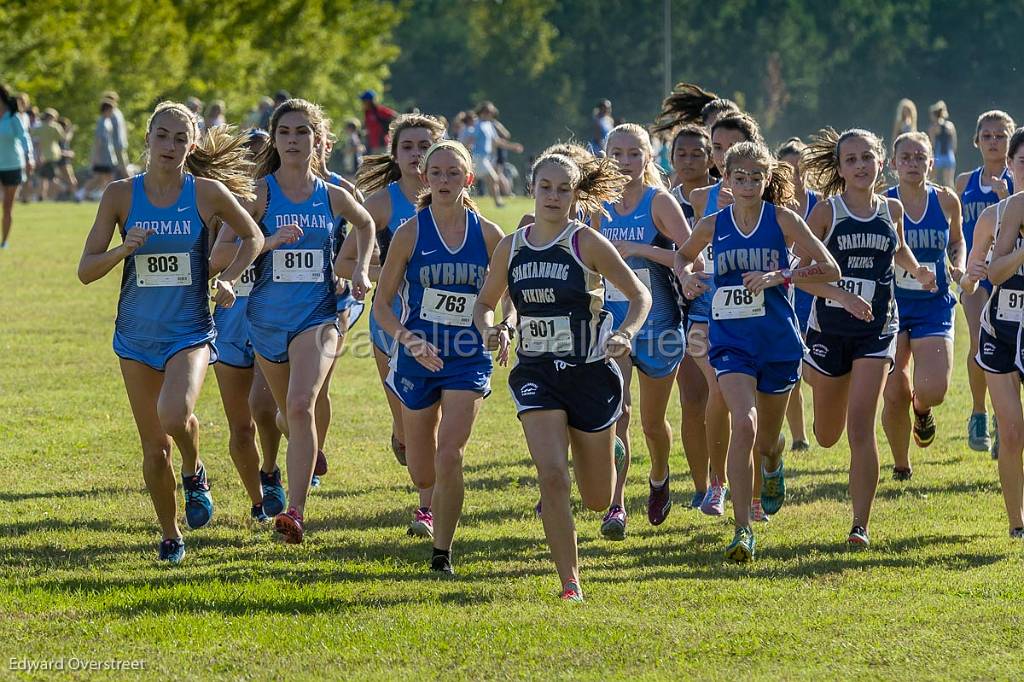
376	119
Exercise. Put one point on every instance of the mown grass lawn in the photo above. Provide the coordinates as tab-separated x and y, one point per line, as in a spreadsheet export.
938	595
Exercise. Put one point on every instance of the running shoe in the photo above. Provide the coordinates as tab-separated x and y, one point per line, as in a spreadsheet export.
773	489
172	550
757	512
800	445
398	448
924	428
613	526
572	592
1015	533
714	500
258	515
320	468
995	439
198	501
422	525
977	433
858	537
659	503
273	492
697	499
741	549
442	564
314	482
290	526
901	474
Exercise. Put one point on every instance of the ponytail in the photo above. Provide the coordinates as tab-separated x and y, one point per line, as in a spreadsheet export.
820	159
424	199
652	176
780	190
689	103
594	181
379	170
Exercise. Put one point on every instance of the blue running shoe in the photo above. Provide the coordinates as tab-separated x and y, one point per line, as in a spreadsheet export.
697	499
741	549
258	515
172	550
273	492
977	433
314	482
773	489
198	501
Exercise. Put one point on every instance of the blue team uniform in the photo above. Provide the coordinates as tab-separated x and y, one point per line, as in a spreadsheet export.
975	199
700	309
438	294
864	249
998	339
164	306
233	345
924	313
401	211
563	327
659	345
294	286
346	301
801	299
753	334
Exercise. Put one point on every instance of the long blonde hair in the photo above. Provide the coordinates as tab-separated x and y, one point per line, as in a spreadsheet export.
652	175
897	124
220	154
460	151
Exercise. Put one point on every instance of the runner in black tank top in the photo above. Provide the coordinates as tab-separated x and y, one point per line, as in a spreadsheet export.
1006	271
567	389
850	339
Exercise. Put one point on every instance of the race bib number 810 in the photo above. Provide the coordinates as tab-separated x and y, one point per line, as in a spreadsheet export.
298	265
163	270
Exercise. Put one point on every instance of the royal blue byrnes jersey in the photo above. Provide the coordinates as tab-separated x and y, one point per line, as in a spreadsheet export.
1001	316
928	238
438	294
763	324
232	323
975	199
294	284
165	283
558	299
864	249
638	226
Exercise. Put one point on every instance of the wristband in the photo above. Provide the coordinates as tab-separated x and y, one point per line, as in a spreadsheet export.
621	332
787	276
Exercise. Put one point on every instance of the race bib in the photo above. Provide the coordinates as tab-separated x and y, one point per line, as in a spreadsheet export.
735	302
709	260
298	265
1010	305
613	294
545	334
445	307
865	288
905	280
243	287
163	270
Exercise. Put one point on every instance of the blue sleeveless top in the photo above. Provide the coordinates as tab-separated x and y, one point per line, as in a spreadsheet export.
401	210
294	285
638	226
165	283
976	199
438	295
232	323
764	325
864	249
927	238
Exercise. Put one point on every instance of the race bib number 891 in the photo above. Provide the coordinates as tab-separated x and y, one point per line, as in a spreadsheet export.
865	288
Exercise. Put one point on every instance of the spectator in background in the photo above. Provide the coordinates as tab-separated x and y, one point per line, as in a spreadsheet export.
67	155
943	134
32	123
906	118
376	119
215	114
482	141
256	116
466	127
603	124
120	134
104	155
280	97
353	148
195	105
48	136
16	159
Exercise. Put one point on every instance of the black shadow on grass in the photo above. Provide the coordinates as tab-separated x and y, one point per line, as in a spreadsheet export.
59	494
888	490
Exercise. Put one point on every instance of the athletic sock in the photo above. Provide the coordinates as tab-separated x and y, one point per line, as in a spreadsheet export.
446	553
658	485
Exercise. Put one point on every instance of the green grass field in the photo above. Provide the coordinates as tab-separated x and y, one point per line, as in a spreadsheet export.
938	595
